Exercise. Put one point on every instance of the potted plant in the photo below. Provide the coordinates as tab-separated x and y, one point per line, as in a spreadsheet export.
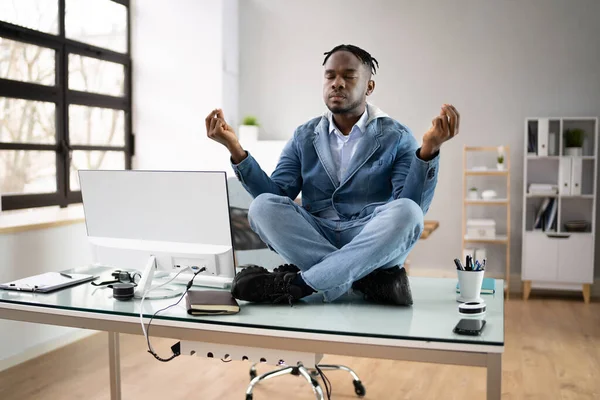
500	163
574	142
500	159
248	131
472	194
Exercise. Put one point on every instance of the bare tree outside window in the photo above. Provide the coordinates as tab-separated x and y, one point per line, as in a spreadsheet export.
36	153
41	15
24	121
100	22
26	62
92	75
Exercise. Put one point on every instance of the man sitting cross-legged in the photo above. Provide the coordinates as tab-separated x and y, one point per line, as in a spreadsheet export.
365	183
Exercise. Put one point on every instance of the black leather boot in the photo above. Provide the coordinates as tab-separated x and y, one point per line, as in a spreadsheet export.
286	268
388	286
259	285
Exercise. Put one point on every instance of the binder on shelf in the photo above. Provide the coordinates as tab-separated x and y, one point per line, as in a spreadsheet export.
550	221
545	218
576	172
531	141
537	224
542	139
564	175
552	144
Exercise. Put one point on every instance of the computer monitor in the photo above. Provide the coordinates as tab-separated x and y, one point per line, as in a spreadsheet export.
163	220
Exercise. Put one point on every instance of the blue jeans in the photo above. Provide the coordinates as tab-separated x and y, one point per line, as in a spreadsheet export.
334	254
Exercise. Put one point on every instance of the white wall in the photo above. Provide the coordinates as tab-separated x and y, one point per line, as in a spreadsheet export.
231	61
180	74
30	253
497	61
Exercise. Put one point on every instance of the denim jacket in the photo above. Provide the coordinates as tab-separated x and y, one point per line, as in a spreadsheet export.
385	167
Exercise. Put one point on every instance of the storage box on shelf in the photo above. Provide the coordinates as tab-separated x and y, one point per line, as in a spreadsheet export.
481	228
492	165
559	204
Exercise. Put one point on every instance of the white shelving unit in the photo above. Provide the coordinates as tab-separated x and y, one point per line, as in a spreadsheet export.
555	257
494	178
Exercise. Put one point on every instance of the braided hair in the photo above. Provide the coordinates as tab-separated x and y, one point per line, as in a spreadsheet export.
363	55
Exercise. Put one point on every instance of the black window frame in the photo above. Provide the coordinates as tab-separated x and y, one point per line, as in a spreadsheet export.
62	97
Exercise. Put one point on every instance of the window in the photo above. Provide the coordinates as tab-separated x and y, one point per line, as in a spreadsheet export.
65	97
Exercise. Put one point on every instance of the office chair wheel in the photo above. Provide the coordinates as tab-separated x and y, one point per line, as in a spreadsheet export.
248	397
359	389
252	375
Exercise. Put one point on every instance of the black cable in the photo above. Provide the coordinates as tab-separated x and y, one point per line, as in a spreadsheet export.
326	382
175	353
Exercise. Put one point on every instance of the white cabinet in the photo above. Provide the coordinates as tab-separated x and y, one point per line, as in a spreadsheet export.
575	259
540	254
559	203
558	258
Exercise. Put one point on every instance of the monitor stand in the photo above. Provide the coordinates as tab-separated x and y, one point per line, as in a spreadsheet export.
145	284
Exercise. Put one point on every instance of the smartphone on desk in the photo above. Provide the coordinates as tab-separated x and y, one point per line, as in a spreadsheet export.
471	327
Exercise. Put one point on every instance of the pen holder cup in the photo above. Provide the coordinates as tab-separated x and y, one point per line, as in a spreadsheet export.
469	284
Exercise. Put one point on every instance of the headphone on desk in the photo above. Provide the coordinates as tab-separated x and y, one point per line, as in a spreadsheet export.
123	285
472	308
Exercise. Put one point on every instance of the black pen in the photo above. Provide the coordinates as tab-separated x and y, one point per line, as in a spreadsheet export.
66	275
458	264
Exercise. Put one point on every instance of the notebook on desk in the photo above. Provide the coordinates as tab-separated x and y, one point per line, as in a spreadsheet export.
47	282
211	302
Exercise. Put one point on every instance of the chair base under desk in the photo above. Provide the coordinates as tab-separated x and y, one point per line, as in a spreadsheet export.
309	375
291	362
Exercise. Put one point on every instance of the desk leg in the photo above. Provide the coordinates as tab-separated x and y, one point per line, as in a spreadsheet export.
494	376
114	362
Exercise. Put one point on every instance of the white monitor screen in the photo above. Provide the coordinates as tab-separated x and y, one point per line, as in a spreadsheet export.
163	206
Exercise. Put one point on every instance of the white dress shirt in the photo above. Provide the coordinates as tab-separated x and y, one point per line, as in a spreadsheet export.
343	147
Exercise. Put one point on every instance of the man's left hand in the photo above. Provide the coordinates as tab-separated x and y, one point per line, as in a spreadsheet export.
444	127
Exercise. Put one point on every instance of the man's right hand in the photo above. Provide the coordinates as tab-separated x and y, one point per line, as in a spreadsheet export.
218	130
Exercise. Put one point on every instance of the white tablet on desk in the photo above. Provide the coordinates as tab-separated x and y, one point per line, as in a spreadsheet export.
47	282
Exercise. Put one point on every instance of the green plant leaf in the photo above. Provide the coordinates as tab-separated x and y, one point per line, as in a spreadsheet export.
574	137
250	120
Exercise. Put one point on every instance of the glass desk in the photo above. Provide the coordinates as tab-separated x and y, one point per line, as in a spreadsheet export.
349	326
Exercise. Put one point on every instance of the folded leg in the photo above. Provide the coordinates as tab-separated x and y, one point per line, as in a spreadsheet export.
289	229
388	236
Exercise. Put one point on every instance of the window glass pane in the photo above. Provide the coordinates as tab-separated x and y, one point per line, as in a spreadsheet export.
27	171
26	62
94	160
41	15
95	126
88	74
102	23
24	121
